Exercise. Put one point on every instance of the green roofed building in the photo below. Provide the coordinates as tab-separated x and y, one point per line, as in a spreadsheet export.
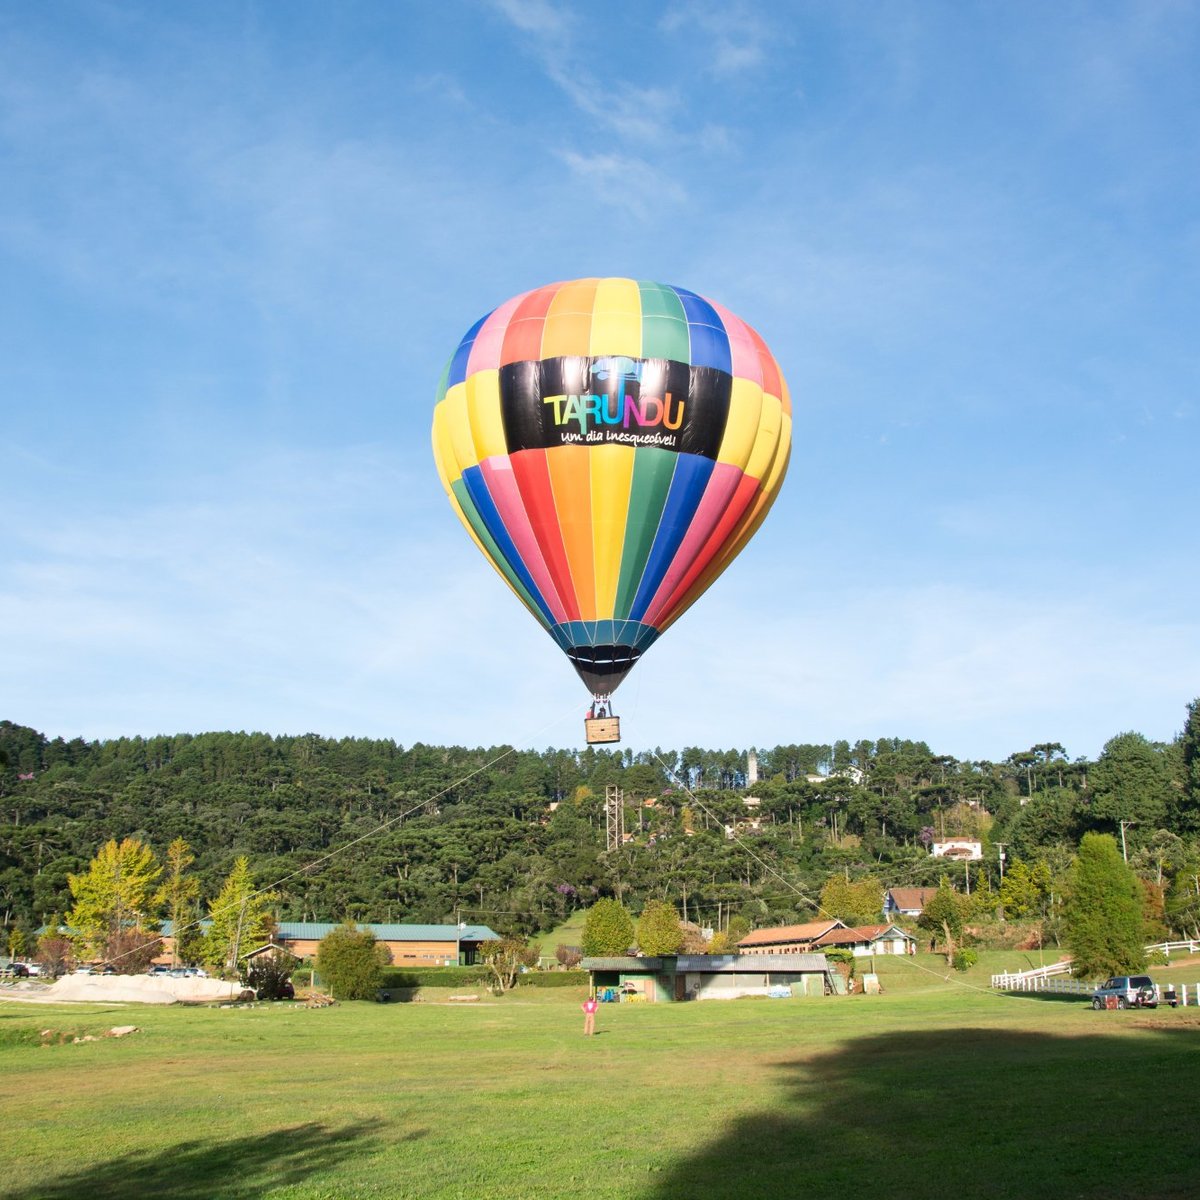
711	976
410	945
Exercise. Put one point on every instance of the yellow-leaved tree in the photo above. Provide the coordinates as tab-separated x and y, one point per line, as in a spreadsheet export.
116	905
241	919
178	893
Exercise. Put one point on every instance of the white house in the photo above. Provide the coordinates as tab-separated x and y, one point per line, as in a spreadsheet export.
960	848
869	939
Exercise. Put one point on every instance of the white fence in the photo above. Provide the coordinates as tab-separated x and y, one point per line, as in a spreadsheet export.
1025	981
1015	979
1184	994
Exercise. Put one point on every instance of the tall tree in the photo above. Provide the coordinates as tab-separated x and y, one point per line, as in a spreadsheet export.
658	930
856	902
607	929
1188	802
178	892
946	913
116	893
240	916
1019	894
1103	915
1131	785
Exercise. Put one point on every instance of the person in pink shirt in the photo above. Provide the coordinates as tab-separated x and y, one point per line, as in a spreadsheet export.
589	1015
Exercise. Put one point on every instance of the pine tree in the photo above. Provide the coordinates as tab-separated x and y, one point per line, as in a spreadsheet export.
1131	785
1019	893
1188	804
1103	913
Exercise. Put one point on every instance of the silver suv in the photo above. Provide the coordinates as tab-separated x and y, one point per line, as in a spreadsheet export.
1131	991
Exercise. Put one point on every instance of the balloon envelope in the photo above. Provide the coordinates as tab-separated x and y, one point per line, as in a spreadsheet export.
611	445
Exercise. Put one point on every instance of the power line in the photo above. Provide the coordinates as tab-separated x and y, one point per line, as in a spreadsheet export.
378	829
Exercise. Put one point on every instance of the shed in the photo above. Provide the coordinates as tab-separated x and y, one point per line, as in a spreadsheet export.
708	976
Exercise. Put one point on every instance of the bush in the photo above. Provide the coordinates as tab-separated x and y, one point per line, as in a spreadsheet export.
568	956
55	952
132	951
964	960
269	976
505	958
838	954
351	962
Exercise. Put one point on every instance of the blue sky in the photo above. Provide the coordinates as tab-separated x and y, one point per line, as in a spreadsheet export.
239	241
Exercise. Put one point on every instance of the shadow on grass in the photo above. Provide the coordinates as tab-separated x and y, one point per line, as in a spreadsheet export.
233	1169
1084	998
967	1113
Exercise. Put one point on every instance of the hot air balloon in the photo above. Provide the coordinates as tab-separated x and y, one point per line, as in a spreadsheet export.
611	445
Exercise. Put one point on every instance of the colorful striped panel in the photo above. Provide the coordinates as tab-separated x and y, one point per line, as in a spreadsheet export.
608	530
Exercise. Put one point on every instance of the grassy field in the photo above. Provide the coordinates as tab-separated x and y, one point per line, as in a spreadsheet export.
569	933
930	1089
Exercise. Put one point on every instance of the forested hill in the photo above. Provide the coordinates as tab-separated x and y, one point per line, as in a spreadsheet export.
517	838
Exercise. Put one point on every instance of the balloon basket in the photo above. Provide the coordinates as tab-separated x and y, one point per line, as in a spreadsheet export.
602	729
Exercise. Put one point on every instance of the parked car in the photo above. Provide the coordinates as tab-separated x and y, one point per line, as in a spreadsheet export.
1131	991
18	970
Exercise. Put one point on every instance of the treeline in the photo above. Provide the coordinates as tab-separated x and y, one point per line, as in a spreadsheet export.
373	831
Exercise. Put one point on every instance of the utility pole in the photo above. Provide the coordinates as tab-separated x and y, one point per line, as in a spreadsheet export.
1124	853
1000	846
237	937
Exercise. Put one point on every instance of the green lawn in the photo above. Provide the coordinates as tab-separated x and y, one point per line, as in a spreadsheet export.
936	1089
569	933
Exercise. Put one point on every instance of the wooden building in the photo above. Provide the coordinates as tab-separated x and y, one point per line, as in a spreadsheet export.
409	945
787	939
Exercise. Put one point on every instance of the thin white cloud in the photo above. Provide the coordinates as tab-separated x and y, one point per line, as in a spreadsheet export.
553	22
626	106
738	36
624	182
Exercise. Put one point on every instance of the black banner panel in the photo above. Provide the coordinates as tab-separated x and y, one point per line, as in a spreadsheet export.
611	400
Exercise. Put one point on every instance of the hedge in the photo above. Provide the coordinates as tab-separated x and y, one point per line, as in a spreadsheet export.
447	977
452	977
553	979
